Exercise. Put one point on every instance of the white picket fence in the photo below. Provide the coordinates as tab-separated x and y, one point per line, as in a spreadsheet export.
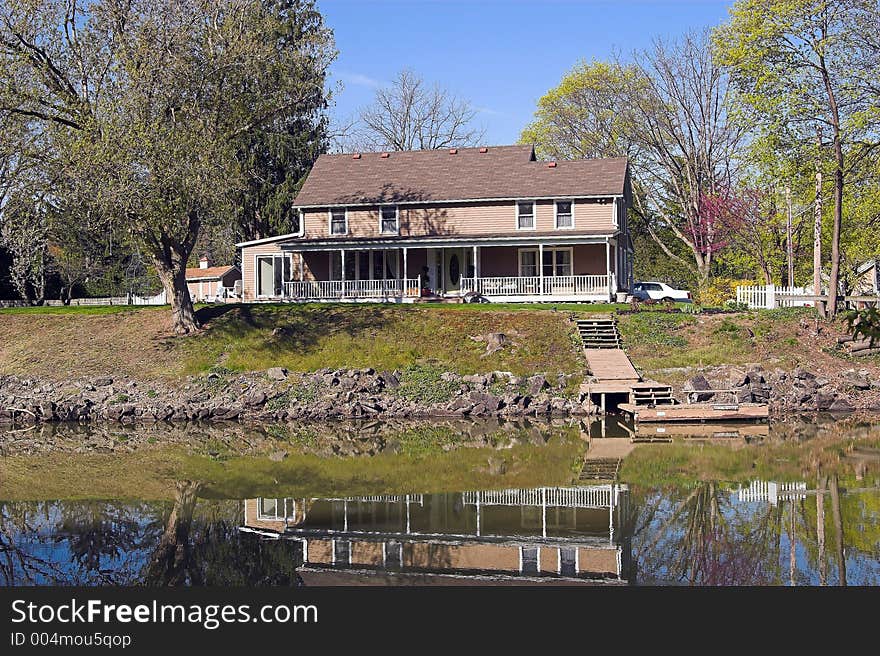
770	297
131	299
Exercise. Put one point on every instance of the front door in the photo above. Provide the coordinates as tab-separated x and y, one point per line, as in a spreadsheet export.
454	265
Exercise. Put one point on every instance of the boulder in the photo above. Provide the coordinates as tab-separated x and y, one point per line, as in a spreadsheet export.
840	404
277	373
255	398
698	383
824	401
803	374
855	380
536	383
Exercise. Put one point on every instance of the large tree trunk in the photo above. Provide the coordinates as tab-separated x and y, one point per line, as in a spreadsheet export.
171	268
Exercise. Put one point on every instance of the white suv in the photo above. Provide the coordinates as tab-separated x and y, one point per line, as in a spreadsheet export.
659	291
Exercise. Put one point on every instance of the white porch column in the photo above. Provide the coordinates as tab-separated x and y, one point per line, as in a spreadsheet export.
476	265
541	269
608	265
342	257
302	266
405	262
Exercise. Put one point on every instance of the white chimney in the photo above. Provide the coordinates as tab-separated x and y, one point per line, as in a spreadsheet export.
204	262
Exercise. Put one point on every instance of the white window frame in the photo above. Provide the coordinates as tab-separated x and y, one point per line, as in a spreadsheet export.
547	249
534	225
396	220
391	255
264	516
274	256
519	262
556	214
330	222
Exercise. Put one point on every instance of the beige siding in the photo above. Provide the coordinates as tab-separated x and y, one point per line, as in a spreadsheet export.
549	560
249	269
316	266
597	561
464	219
251	514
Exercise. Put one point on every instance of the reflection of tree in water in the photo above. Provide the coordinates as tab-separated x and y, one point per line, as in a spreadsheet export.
100	534
117	543
703	539
73	543
211	551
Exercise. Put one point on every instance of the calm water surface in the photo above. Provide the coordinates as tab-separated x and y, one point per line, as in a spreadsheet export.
817	523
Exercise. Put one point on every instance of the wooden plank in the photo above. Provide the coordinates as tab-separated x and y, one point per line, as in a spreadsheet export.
696	412
610	364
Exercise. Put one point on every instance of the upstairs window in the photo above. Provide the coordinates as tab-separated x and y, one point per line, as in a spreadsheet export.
564	214
338	221
525	215
388	224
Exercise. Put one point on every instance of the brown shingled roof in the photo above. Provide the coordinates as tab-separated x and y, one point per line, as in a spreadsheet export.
194	273
437	175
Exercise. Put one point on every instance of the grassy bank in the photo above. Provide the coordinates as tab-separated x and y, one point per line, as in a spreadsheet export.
784	338
64	342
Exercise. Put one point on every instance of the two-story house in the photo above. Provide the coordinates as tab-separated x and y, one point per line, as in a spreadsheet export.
494	221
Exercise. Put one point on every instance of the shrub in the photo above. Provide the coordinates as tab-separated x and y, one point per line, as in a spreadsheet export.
720	291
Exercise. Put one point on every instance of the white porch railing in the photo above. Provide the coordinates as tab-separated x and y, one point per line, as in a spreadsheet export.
594	496
320	289
537	286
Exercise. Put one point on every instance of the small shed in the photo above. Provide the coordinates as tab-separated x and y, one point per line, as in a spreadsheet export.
210	284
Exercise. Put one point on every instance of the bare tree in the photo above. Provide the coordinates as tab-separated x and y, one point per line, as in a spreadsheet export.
409	115
689	145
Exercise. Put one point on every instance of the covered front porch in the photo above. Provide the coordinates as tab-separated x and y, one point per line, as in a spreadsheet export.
581	270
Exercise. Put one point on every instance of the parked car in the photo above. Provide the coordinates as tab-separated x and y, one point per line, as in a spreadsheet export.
659	291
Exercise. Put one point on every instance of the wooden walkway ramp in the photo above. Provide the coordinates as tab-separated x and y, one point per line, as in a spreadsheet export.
611	364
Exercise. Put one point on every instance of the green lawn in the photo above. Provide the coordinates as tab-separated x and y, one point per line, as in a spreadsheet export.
136	341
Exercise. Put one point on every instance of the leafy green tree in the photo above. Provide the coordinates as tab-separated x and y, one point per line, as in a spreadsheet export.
143	105
799	66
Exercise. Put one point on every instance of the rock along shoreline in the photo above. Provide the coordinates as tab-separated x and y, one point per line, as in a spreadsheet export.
277	395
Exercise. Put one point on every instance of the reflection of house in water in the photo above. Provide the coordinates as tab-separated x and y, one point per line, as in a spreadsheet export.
562	533
772	492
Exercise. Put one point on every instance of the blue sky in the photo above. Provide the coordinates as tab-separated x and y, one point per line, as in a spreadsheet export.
502	55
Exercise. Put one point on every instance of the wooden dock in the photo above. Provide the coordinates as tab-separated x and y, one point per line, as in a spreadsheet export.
698	412
617	384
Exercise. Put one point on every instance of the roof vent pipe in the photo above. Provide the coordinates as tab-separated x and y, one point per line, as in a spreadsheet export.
484	150
453	151
384	155
356	156
551	165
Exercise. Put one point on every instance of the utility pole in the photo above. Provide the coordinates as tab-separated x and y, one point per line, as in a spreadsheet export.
789	246
817	227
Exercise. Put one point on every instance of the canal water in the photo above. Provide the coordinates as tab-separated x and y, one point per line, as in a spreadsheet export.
796	503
